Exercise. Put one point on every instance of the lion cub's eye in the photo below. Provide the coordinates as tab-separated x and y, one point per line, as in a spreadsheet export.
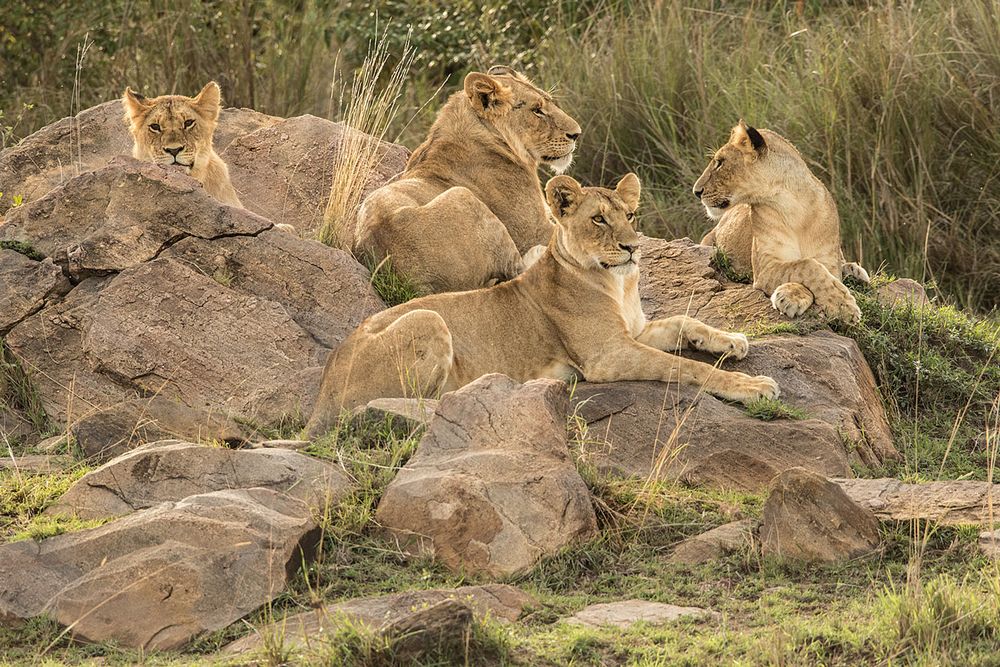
155	127
599	220
188	123
538	112
630	216
718	162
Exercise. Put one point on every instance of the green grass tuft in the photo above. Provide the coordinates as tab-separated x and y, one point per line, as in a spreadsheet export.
18	393
23	248
769	409
724	265
394	288
23	497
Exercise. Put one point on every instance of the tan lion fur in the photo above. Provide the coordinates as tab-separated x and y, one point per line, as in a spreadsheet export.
777	220
574	313
169	124
470	203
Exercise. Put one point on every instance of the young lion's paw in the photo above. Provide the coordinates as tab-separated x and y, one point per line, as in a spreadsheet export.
791	299
750	389
735	345
856	271
842	306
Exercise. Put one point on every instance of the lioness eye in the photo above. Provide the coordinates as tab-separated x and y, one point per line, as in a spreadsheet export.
718	162
630	217
155	127
599	220
538	112
188	123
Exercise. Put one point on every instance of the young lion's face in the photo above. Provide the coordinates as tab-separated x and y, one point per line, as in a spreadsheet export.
597	225
528	118
734	173
173	129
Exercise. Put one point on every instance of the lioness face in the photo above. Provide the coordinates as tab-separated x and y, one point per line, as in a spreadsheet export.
735	172
596	226
527	117
173	129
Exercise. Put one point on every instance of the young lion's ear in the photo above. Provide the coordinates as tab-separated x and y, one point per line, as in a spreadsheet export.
563	194
748	138
208	101
487	95
135	104
501	70
628	189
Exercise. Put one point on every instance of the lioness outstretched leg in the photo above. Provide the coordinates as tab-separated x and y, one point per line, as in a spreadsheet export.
410	358
628	359
830	295
680	332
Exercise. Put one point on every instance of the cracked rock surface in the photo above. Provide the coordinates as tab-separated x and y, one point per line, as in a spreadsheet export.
173	470
492	487
158	578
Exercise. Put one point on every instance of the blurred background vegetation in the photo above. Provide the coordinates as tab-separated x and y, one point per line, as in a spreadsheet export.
895	105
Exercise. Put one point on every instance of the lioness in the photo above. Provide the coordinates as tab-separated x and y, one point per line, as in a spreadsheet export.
779	221
574	312
470	203
173	129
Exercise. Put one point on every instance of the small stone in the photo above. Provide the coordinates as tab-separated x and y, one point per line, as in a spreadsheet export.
627	613
714	543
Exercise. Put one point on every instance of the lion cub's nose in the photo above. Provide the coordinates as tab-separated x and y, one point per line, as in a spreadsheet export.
174	151
697	193
573	136
630	247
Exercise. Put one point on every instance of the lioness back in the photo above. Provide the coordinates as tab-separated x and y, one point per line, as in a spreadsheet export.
177	130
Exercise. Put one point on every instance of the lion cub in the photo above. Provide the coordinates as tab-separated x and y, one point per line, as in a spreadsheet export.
574	313
173	129
779	221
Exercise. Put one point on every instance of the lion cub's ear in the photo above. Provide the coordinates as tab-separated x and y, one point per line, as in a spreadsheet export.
487	95
628	189
135	104
208	101
747	138
563	194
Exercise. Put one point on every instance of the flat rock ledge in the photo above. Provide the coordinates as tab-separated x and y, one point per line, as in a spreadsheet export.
948	503
627	613
173	470
492	487
158	578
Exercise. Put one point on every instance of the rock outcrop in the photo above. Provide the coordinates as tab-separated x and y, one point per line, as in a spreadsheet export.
948	503
492	487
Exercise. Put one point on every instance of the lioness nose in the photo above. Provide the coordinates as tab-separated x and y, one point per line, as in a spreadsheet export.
630	247
174	151
573	136
697	193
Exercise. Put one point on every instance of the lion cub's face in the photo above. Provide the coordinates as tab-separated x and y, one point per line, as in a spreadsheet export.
597	225
173	129
528	118
736	172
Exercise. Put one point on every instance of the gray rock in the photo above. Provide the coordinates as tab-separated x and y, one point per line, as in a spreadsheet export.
491	487
809	518
25	286
36	463
173	470
902	292
627	613
158	578
715	543
948	503
404	415
989	543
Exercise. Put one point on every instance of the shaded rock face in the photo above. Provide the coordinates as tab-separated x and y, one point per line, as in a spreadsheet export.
948	503
284	171
158	578
643	428
627	613
491	487
494	601
177	297
26	286
59	152
173	470
715	543
809	518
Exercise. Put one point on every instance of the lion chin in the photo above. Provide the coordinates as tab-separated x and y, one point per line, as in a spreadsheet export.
560	165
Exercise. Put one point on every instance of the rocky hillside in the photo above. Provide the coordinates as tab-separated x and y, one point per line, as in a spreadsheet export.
160	351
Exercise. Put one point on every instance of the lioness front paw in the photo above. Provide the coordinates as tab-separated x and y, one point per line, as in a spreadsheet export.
841	306
791	299
856	271
735	345
749	389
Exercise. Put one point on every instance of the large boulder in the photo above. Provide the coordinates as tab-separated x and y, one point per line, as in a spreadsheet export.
284	171
492	487
809	518
948	503
26	285
493	601
59	152
676	432
173	470
180	298
158	578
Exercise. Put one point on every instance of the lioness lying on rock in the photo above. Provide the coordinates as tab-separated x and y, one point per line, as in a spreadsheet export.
177	130
779	221
575	312
470	203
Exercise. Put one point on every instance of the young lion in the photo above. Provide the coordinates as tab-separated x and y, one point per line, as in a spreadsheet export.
173	129
779	221
470	203
575	312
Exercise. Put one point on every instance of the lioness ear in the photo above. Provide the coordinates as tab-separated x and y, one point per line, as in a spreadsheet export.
563	194
208	101
135	104
487	95
628	189
501	70
748	138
